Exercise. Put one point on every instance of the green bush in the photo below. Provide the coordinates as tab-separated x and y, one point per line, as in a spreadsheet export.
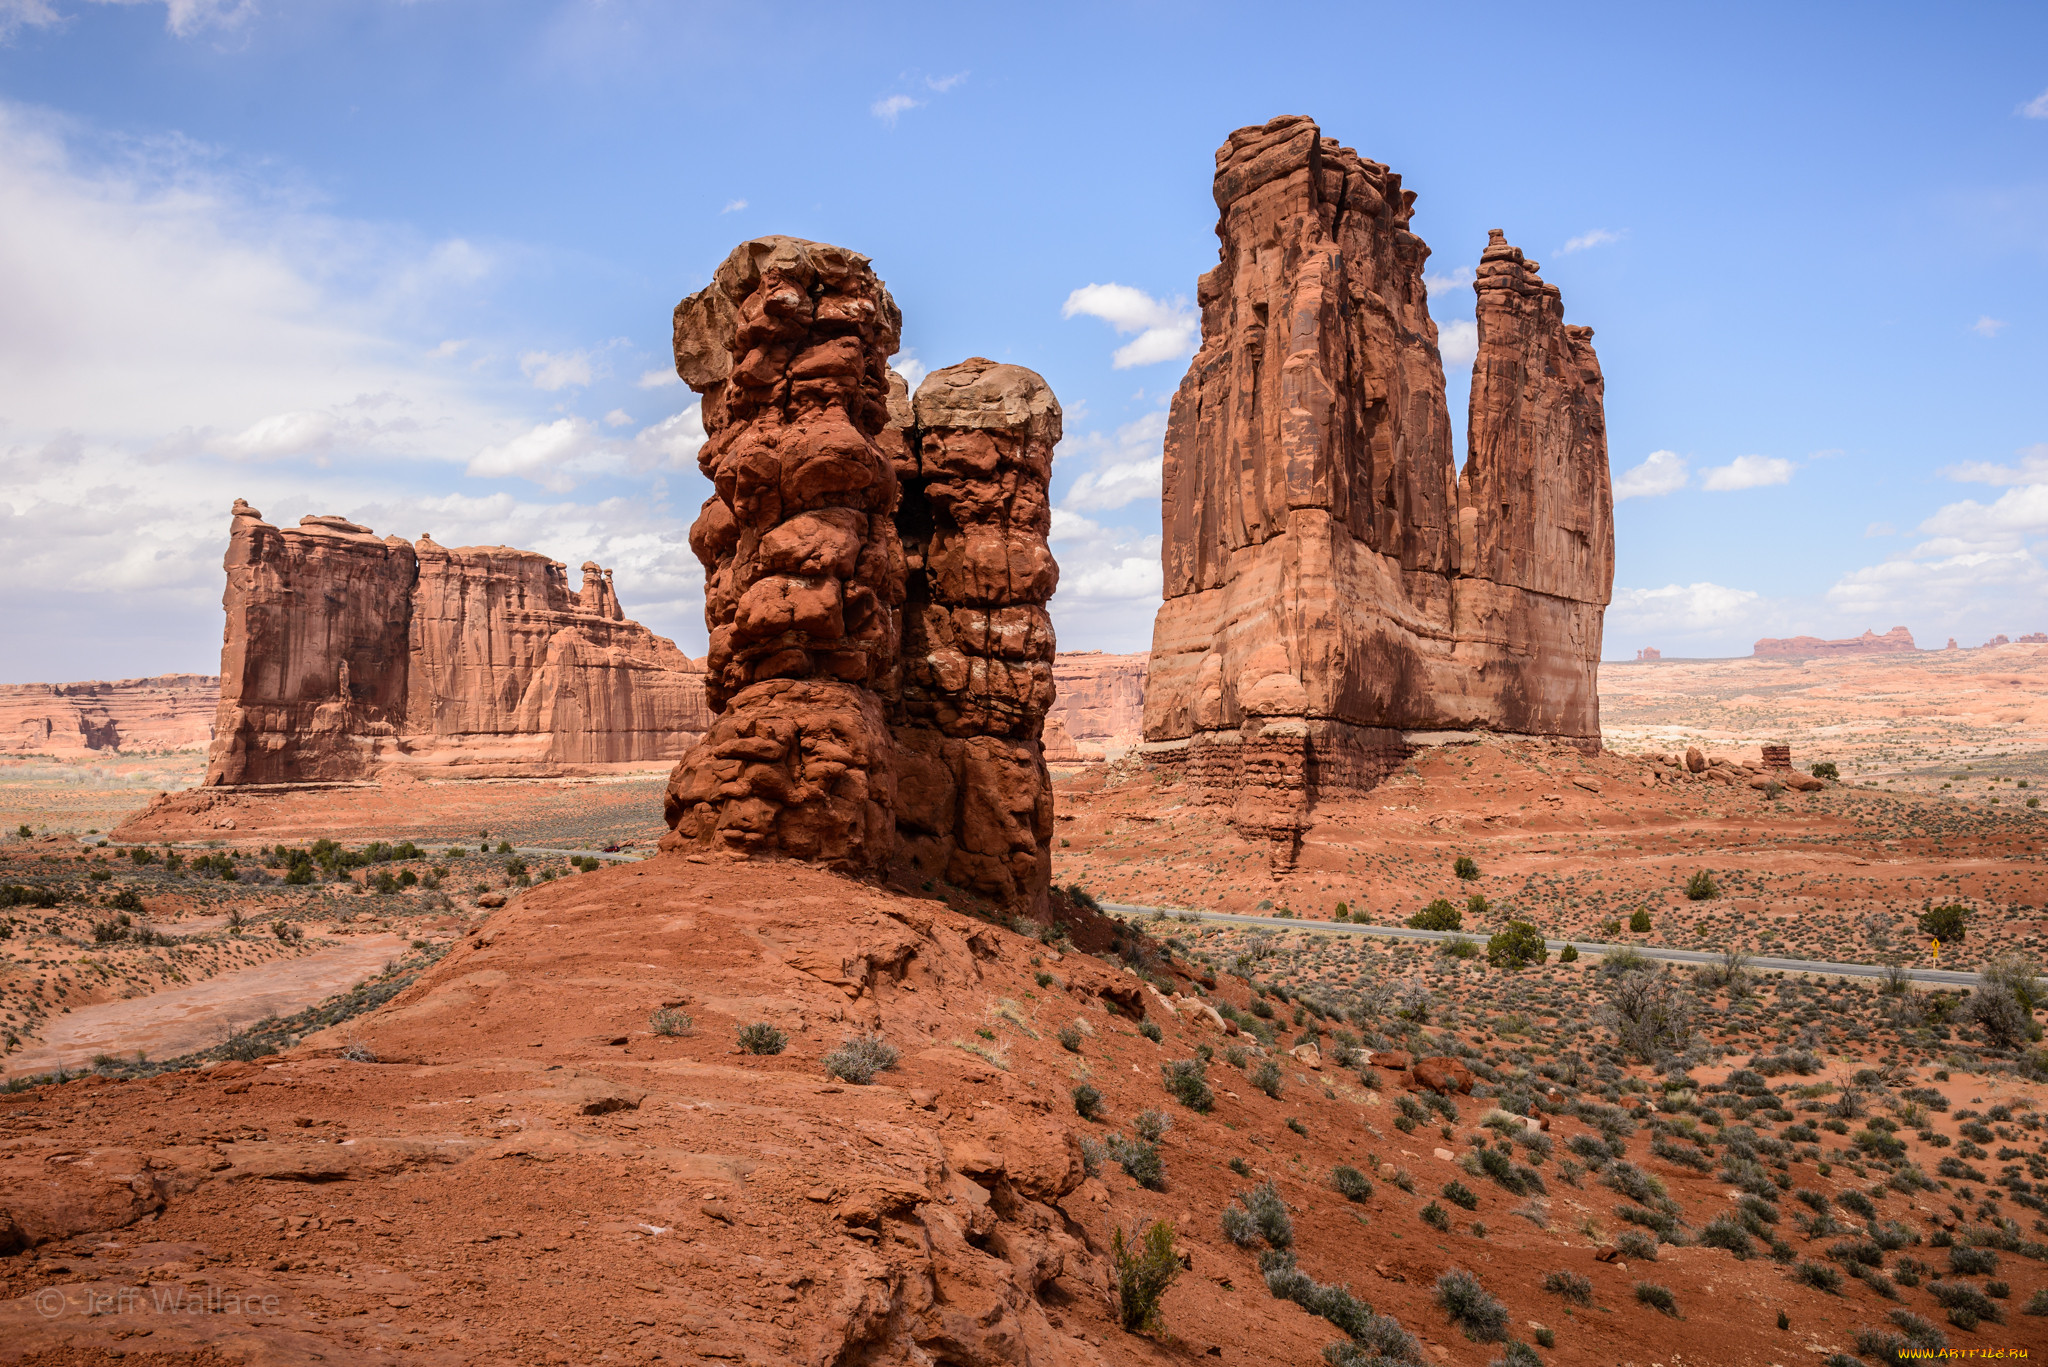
761	1038
1700	887
1142	1164
1568	955
1145	1266
1343	912
1187	1082
1467	867
1658	1298
1438	915
1471	1306
1458	1194
1518	945
1570	1285
1350	1183
670	1021
1638	921
1436	1217
1266	1077
1070	1038
1087	1102
1945	923
1151	1031
1259	1214
1826	769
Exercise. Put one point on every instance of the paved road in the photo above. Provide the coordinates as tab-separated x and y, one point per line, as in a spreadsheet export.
1939	976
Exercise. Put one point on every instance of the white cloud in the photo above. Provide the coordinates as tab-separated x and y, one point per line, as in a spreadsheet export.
1068	526
889	108
1458	342
1746	472
2036	108
942	84
1680	608
659	378
1449	285
1127	466
551	371
1599	237
1166	330
618	417
733	206
672	443
2018	512
2032	468
1948	584
20	14
906	364
187	17
551	455
1987	326
447	349
1662	472
1880	529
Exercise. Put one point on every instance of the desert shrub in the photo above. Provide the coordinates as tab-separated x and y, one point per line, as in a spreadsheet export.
1972	1262
1519	944
668	1020
1819	1276
1701	887
1658	1298
1946	922
1568	955
1825	769
1260	1213
1639	921
1070	1037
1570	1285
761	1038
1151	1031
357	1051
1187	1082
1633	1243
1466	867
1145	1265
1441	914
1647	1013
1855	1251
1471	1306
1266	1077
1142	1164
1350	1183
1962	1299
1152	1125
1995	1009
1726	1231
2037	1304
859	1057
1087	1102
1376	1341
1476	905
1460	947
1458	1194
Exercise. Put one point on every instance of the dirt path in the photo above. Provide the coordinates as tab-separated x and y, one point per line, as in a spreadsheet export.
166	1024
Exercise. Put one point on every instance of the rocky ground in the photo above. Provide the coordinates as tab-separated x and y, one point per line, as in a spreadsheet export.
554	1146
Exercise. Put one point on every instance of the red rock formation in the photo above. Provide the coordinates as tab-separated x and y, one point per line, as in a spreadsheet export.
165	712
974	798
1896	641
1101	701
1777	756
1330	585
789	346
1648	654
347	656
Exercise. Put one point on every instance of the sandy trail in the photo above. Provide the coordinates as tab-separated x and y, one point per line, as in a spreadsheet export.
178	1021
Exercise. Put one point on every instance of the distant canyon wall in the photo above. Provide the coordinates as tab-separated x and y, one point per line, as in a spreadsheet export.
350	656
164	712
1896	641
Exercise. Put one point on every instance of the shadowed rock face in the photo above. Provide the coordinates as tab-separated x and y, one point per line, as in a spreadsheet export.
975	800
1331	587
350	656
876	577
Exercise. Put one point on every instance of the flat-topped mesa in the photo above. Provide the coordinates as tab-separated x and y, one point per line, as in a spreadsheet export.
974	799
789	345
349	656
1317	608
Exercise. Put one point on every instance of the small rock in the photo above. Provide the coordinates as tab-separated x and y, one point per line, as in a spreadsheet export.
491	899
924	1098
1443	1155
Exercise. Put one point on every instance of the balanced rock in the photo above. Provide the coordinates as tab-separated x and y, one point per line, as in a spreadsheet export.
350	656
1331	586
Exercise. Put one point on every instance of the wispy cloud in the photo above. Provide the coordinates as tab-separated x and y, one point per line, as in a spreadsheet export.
890	107
1746	472
1987	326
1458	342
2030	468
733	206
1662	472
1880	529
187	17
942	84
1167	329
16	15
1680	608
551	371
659	378
1127	465
1599	237
2036	108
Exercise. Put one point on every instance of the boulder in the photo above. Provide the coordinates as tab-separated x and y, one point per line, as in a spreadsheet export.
1445	1075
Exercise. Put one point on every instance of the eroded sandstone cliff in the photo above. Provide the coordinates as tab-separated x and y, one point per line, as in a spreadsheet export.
1331	586
876	575
350	656
163	712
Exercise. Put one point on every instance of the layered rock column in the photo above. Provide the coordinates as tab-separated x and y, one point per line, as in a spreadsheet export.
974	797
789	346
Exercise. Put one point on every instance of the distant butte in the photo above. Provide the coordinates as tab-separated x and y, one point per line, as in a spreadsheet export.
1896	641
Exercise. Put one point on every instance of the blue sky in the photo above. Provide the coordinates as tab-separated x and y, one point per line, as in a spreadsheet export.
414	262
